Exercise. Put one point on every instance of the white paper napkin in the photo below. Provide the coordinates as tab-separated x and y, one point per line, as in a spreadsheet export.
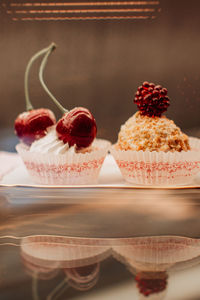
8	162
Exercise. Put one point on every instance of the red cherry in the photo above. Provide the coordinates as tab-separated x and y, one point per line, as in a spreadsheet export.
77	127
32	125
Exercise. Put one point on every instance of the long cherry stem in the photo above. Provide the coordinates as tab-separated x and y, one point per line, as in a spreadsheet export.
42	67
26	77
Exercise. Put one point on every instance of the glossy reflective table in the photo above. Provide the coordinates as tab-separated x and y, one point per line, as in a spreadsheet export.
99	243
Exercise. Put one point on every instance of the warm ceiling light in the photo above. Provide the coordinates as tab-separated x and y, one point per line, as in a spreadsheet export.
83	18
59	11
81	11
117	3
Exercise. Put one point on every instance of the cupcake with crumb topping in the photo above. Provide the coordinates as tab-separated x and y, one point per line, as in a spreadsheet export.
151	149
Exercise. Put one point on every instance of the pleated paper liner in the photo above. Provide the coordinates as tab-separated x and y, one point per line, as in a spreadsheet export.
65	169
159	168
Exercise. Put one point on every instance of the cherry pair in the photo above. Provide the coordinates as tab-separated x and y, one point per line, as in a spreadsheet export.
76	127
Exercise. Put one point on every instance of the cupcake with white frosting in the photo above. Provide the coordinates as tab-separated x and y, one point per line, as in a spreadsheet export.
50	161
59	153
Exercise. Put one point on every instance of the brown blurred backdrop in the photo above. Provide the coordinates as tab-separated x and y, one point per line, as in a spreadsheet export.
99	64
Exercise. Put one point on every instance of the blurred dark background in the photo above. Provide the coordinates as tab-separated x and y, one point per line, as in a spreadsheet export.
99	63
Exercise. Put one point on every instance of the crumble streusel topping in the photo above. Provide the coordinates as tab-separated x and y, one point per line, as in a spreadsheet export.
152	134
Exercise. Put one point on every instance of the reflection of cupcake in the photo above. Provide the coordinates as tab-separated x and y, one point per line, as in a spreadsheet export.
62	153
151	149
38	271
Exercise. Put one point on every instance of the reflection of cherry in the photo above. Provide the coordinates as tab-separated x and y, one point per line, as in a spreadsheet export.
83	278
82	274
77	126
32	124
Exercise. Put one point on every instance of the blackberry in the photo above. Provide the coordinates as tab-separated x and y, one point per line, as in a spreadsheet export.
148	286
151	99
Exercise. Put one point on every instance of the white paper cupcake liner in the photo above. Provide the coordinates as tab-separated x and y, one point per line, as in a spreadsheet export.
159	168
65	169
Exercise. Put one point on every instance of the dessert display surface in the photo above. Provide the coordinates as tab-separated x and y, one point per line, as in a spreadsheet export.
109	177
66	238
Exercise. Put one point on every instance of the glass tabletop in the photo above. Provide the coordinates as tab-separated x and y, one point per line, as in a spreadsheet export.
93	243
99	213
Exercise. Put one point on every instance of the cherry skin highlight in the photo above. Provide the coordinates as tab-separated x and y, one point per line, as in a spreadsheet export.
77	127
33	124
151	99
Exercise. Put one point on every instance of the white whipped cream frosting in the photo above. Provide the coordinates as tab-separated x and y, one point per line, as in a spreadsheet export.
50	143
